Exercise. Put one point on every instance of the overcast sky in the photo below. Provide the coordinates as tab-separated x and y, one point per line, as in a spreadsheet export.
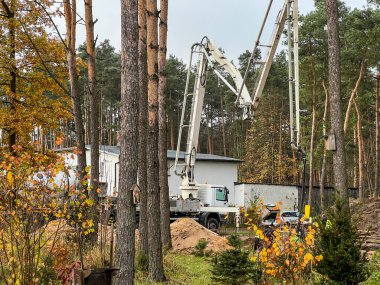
233	24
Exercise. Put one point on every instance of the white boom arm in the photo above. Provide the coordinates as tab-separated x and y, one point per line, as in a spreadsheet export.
209	56
244	100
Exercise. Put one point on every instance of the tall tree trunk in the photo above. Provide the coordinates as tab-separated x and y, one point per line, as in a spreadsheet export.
360	152
109	138
355	161
156	269
129	113
376	190
352	97
223	126
279	165
323	168
143	121
70	17
311	161
94	110
162	133
172	143
336	117
101	111
85	124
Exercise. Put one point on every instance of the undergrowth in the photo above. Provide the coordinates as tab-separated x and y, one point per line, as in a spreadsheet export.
181	269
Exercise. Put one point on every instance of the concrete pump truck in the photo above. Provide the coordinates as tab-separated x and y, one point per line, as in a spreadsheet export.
207	203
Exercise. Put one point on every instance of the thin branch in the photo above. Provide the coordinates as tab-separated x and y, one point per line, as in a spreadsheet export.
9	13
51	20
42	60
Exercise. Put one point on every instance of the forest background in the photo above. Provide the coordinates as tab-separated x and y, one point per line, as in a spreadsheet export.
263	143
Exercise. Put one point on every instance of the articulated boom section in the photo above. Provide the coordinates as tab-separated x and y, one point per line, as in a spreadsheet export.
208	56
288	14
243	98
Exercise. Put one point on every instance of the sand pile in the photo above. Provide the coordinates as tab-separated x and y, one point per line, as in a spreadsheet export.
367	215
58	230
186	233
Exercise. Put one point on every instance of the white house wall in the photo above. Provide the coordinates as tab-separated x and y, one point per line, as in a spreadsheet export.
212	172
107	164
270	194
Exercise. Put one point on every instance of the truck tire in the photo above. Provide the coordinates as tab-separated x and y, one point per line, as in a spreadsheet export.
213	224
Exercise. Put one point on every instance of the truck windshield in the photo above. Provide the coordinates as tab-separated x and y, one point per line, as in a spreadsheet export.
221	194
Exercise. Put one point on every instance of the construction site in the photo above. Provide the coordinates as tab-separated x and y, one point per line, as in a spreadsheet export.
190	142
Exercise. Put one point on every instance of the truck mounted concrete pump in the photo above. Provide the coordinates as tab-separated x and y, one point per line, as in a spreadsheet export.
208	203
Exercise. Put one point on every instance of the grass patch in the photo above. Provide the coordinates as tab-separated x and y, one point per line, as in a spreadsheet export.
374	269
181	269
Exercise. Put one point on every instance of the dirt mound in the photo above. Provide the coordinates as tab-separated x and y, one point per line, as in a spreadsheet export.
186	233
367	215
58	229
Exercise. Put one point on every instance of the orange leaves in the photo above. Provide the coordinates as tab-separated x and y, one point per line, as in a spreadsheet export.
284	254
307	258
319	258
34	199
10	178
59	140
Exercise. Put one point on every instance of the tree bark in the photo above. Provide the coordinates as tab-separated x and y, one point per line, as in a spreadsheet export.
70	18
129	113
360	151
352	97
323	168
223	126
339	159
355	161
143	121
156	269
162	128
172	143
311	161
94	111
377	139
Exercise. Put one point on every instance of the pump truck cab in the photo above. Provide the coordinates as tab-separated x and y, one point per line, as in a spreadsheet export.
209	208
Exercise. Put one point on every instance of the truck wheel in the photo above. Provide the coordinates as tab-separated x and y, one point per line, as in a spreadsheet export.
213	225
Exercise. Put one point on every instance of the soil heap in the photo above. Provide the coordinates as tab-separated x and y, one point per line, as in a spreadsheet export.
186	233
367	216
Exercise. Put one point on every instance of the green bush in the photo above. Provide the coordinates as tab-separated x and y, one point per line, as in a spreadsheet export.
374	264
340	245
232	267
142	261
374	269
235	241
47	274
200	248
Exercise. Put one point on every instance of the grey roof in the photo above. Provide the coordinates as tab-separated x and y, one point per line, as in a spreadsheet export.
115	150
171	154
204	157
